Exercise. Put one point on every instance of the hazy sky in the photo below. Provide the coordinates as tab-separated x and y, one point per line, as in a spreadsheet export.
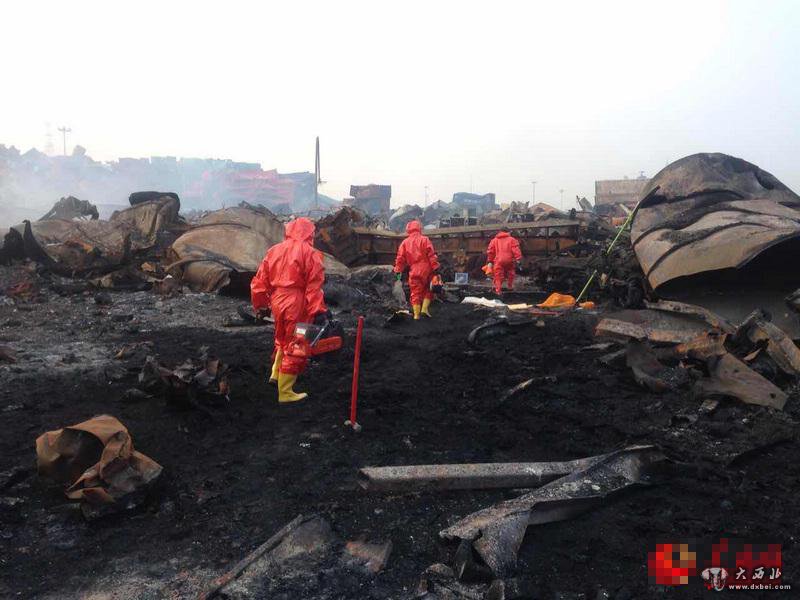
443	94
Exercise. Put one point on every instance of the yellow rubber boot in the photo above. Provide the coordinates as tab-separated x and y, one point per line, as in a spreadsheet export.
273	378
426	304
285	391
416	308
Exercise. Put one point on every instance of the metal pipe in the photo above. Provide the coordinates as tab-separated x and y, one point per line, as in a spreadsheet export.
477	476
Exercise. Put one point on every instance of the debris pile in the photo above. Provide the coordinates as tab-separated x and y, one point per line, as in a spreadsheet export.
452	405
95	247
193	380
490	539
671	344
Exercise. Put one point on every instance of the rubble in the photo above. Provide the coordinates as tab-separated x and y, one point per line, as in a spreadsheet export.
370	556
94	247
655	326
497	326
201	379
96	461
230	483
70	208
759	331
503	402
496	533
225	248
732	378
650	372
696	334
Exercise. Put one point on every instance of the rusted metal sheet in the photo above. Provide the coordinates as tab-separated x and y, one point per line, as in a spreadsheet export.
732	378
712	212
760	331
683	308
653	325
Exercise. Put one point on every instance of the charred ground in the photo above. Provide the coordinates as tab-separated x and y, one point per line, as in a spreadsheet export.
235	473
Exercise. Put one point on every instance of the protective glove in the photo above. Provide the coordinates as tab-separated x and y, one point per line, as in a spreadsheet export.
398	276
490	265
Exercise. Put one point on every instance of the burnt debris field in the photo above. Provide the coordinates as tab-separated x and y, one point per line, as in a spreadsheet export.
236	470
638	387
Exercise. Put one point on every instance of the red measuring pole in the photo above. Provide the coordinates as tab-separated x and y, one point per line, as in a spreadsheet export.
356	364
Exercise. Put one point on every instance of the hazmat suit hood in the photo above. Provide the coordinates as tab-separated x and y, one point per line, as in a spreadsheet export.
301	230
503	234
413	227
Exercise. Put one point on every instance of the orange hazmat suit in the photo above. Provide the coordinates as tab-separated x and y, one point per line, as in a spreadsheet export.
503	253
289	282
416	253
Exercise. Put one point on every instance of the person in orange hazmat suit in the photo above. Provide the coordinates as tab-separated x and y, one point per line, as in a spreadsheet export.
289	284
416	253
503	256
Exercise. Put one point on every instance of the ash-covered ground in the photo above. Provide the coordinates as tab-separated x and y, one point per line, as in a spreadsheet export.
235	473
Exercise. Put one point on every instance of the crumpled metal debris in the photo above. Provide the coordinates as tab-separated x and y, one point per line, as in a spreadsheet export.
337	234
693	333
97	462
371	556
71	208
496	532
758	329
649	372
732	378
497	326
712	212
227	247
653	325
204	378
83	247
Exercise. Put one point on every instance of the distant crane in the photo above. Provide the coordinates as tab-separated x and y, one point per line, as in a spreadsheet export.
561	202
533	193
64	131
